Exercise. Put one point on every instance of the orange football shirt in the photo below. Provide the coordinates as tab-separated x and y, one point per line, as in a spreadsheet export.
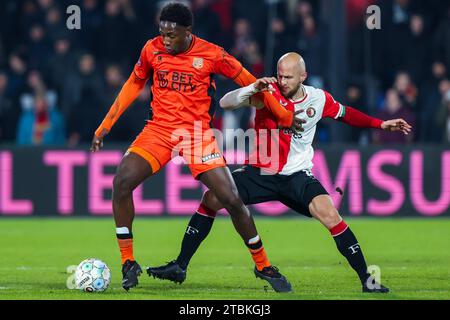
183	87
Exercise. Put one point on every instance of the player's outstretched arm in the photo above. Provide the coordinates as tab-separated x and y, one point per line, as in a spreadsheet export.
359	119
242	96
129	92
356	118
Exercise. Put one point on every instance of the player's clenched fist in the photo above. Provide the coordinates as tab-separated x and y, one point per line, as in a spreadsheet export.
263	84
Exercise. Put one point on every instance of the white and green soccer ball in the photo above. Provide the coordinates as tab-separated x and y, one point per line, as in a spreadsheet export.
92	275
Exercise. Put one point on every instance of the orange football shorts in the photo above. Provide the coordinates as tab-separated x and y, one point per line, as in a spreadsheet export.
158	145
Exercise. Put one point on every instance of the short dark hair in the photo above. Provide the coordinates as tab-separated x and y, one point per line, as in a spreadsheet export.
178	13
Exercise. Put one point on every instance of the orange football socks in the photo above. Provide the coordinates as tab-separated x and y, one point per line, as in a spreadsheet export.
126	249
258	253
125	240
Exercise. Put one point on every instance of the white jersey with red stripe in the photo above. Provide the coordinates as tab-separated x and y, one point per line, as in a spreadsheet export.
295	151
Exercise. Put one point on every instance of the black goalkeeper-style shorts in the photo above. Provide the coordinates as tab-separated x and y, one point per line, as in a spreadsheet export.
296	191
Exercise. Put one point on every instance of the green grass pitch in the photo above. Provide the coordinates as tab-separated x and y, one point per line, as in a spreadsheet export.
413	255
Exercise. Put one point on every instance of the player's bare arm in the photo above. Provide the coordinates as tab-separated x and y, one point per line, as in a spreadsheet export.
129	92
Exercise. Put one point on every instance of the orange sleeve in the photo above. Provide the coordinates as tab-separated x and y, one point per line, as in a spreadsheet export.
284	117
142	68
129	92
225	64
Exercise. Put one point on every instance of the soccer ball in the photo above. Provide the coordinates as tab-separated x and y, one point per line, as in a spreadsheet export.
92	275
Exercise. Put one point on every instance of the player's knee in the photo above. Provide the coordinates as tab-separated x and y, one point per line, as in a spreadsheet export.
208	197
122	185
323	210
330	217
210	201
231	201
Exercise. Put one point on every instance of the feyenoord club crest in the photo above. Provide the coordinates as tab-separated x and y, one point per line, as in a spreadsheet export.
284	104
197	63
310	112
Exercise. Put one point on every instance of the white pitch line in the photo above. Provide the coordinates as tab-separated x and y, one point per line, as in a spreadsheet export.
26	268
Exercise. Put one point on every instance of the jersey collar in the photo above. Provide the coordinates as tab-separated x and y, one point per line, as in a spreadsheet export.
305	95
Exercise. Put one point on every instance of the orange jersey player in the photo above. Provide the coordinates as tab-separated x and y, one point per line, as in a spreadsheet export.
181	66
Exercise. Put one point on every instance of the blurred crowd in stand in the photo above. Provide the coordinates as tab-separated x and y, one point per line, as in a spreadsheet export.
57	84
